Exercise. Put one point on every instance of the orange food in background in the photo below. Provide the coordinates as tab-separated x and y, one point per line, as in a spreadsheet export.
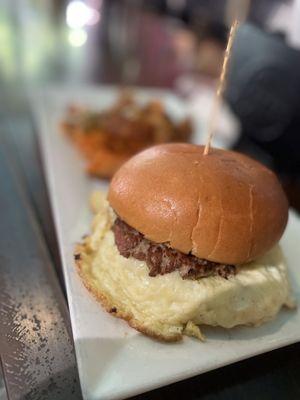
108	138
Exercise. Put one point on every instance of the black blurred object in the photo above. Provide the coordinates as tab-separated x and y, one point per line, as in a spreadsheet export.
190	11
264	92
209	29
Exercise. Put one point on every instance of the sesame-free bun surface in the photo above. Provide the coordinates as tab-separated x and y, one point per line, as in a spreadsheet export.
223	206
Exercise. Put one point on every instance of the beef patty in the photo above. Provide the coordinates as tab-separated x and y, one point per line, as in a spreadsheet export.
162	259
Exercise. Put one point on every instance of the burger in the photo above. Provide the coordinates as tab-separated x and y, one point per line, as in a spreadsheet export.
185	239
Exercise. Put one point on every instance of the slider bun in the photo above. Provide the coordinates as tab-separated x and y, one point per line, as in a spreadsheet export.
224	206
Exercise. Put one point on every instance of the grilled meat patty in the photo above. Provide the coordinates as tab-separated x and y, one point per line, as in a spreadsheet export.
162	259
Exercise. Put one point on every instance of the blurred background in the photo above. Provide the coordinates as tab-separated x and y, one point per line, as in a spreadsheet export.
176	44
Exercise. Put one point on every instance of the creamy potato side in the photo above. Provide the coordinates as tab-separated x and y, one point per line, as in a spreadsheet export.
168	306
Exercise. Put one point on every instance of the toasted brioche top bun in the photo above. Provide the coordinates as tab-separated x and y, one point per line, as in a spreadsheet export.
223	206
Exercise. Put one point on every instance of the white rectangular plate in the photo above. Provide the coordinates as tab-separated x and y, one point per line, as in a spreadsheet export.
114	360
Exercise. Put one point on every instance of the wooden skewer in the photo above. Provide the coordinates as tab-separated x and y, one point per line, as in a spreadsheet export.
220	87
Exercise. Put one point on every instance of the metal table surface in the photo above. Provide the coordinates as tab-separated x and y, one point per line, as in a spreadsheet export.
36	347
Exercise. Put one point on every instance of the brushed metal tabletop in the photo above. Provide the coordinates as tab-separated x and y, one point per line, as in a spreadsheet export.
37	353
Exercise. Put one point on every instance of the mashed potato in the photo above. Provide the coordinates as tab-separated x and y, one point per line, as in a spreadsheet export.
166	306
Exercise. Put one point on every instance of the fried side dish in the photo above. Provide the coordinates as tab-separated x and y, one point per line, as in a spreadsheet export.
108	138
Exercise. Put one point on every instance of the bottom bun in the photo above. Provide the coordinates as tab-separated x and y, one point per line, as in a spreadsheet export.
166	306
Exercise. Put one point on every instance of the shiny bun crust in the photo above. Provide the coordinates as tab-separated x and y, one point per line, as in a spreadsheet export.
223	207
